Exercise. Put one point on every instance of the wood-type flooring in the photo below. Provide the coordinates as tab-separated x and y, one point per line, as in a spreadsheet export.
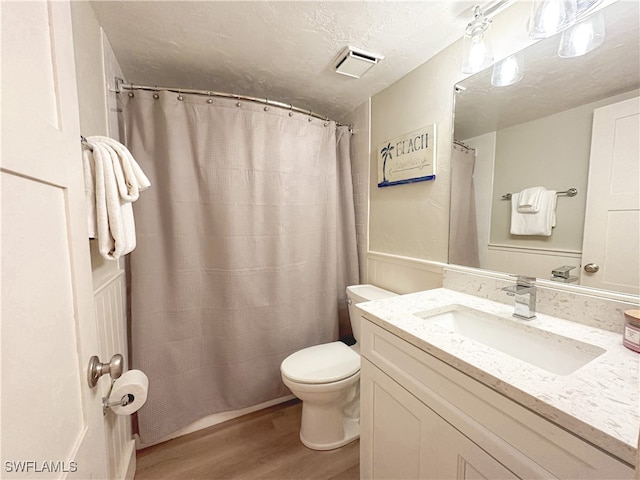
262	445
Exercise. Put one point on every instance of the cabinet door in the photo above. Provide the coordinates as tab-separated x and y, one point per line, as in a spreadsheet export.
460	458
398	436
402	438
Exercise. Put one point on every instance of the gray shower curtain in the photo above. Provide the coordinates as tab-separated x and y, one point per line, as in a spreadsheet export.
463	230
245	244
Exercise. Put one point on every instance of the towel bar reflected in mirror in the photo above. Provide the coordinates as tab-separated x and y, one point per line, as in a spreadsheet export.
572	192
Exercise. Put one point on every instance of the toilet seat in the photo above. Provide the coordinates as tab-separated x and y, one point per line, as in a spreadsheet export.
326	363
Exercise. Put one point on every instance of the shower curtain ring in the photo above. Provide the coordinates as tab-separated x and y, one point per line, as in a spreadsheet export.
291	110
310	116
326	122
180	97
266	101
155	95
210	100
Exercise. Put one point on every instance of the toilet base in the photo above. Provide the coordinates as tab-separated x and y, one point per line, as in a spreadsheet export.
330	412
351	429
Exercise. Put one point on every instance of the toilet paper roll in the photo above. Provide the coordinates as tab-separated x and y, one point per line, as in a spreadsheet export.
132	385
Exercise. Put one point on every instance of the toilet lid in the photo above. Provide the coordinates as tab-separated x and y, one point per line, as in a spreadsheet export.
324	363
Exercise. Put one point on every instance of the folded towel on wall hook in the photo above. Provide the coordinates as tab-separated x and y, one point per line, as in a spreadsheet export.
113	180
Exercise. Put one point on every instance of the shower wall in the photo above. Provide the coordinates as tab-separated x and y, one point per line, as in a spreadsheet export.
96	69
359	120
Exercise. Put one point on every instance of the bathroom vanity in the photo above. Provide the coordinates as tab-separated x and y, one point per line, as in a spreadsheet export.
545	398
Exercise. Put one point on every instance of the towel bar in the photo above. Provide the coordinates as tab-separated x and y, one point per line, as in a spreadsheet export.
572	192
84	143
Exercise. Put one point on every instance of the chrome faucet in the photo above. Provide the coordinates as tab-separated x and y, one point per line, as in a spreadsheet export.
524	292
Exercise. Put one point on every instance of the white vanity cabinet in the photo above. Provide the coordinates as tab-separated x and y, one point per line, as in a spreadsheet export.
406	439
423	419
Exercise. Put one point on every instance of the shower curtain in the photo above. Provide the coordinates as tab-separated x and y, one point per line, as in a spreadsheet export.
463	230
245	245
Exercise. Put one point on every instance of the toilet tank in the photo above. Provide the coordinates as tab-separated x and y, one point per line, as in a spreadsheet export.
362	293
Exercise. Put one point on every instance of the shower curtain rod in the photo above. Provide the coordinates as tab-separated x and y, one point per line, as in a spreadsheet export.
458	142
120	85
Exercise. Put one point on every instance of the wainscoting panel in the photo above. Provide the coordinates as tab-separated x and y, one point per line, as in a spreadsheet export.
532	262
403	274
110	307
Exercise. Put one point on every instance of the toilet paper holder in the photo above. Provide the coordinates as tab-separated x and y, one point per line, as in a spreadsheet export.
124	401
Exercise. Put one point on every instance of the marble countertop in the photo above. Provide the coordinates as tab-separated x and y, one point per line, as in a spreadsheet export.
600	402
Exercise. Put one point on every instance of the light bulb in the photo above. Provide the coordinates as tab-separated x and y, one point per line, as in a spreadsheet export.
507	71
583	37
548	17
477	45
477	52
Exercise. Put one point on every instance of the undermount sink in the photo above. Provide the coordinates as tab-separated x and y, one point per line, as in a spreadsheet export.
551	352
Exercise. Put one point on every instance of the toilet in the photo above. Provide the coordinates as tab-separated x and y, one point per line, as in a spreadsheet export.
327	379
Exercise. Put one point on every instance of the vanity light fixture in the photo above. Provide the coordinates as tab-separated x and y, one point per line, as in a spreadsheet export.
477	50
508	71
583	37
354	62
548	17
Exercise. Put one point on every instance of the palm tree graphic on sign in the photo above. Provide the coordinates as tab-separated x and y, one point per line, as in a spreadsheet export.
386	154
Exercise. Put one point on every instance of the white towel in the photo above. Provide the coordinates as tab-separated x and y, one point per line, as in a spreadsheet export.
90	191
540	223
115	179
131	178
529	200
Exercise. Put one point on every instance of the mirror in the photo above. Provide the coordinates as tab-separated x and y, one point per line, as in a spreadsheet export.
538	132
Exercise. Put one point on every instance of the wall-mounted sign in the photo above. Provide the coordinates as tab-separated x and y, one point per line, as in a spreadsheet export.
408	158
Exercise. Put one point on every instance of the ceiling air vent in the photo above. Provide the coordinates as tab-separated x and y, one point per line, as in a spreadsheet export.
354	62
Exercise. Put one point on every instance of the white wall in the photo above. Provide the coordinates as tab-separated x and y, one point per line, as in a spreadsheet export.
394	272
409	224
522	159
406	219
96	69
552	152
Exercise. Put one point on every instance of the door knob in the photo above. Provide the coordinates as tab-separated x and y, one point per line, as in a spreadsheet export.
115	367
591	268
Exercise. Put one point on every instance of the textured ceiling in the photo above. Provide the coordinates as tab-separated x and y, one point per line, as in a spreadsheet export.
280	50
552	84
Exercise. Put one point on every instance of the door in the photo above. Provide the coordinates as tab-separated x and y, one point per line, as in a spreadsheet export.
610	256
51	419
